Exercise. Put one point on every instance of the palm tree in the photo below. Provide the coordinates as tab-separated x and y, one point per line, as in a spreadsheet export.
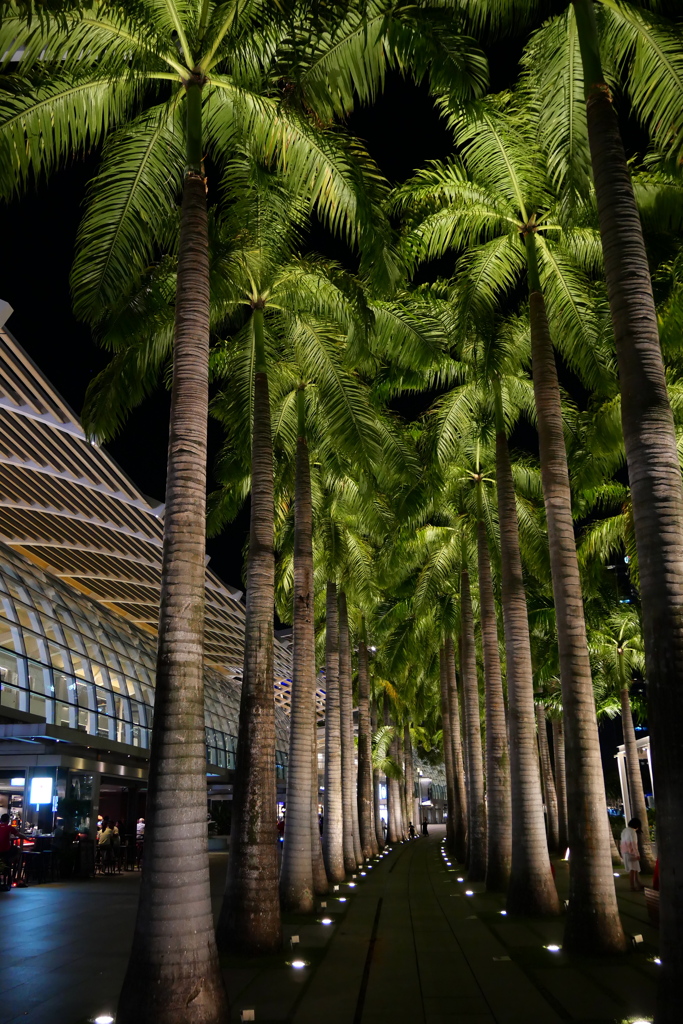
365	796
476	807
617	647
460	826
333	846
501	193
352	848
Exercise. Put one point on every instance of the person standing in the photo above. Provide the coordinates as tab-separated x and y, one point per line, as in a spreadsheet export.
629	853
425	827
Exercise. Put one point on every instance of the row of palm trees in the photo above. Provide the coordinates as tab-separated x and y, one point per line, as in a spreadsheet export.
538	199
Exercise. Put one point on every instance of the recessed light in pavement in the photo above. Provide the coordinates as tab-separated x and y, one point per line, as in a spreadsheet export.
553	948
298	964
468	892
104	1018
504	913
326	920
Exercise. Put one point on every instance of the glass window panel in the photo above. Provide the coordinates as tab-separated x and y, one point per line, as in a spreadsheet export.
133	687
35	647
37	705
62	714
100	675
127	666
137	736
27	617
9	669
61	687
8	609
81	666
106	727
9	696
39	680
121	731
84	628
21	593
116	683
52	629
82	721
83	694
63	615
94	650
59	658
120	707
111	658
73	641
148	695
10	636
104	702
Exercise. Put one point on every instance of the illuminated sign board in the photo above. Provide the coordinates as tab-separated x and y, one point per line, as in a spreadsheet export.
41	791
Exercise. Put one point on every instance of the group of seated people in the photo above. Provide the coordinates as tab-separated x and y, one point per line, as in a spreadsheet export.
108	854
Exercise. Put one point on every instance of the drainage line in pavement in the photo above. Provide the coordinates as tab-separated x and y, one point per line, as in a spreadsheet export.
368	963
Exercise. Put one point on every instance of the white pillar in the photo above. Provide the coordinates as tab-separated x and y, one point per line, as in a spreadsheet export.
623	780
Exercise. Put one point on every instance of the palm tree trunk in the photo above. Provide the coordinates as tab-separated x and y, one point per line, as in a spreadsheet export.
451	798
402	785
321	885
655	482
249	921
346	717
532	890
333	834
460	822
592	924
377	817
410	777
296	870
635	783
499	824
476	845
173	972
549	791
561	785
365	799
395	830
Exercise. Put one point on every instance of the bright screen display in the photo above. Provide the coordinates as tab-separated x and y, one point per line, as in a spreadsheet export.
41	791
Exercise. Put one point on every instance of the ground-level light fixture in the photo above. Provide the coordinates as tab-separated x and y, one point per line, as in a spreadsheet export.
552	948
656	960
104	1018
469	892
461	879
298	964
352	885
342	899
363	873
617	875
504	913
326	920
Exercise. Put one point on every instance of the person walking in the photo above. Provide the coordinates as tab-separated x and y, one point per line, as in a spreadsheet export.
412	834
425	827
629	853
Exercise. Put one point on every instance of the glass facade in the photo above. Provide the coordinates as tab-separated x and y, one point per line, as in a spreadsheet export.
64	659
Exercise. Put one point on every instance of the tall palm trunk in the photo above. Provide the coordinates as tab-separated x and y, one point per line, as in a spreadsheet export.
321	885
549	791
173	973
395	829
561	785
532	890
655	482
402	784
592	923
446	726
410	777
379	832
346	717
460	823
499	823
250	916
333	835
635	783
365	799
476	834
296	870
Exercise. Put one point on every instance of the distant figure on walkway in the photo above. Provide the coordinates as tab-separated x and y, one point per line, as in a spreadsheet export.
384	827
629	853
412	834
425	827
140	829
281	829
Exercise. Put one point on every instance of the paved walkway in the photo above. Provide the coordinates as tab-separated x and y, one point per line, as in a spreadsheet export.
405	943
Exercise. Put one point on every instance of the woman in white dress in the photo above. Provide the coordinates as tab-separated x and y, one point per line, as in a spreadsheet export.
630	854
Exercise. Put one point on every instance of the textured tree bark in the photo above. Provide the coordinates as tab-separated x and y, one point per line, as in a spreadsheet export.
296	870
561	785
635	784
460	823
451	798
592	922
532	890
377	817
321	885
655	482
173	974
476	819
365	798
395	829
549	791
410	777
499	823
402	784
346	718
333	834
249	921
